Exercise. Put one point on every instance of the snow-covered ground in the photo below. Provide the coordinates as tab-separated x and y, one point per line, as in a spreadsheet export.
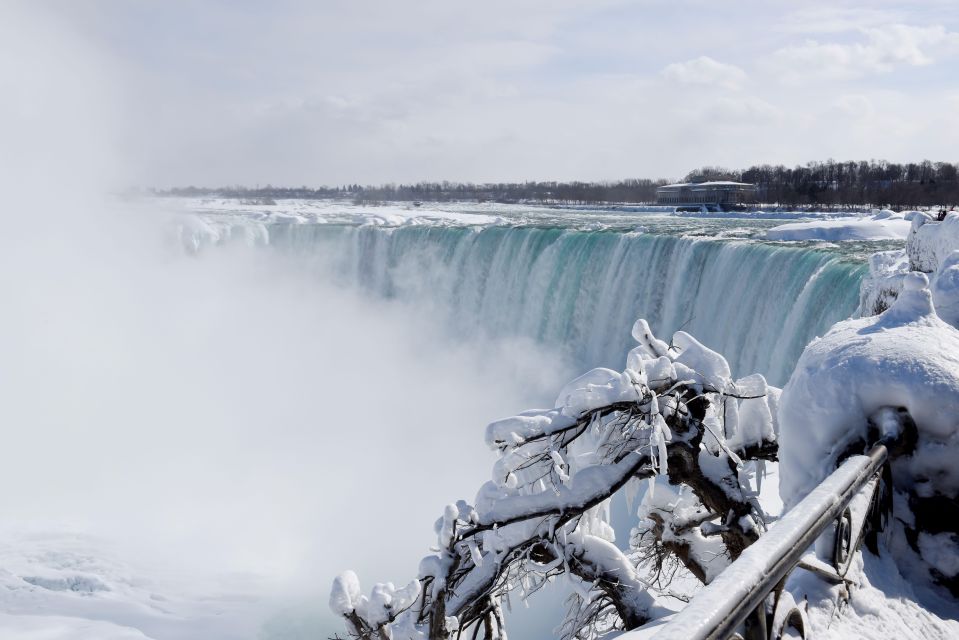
881	605
884	225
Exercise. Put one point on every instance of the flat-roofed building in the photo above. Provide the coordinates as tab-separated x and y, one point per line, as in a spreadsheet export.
718	195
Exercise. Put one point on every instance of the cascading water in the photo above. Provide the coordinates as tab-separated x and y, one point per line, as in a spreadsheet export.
756	303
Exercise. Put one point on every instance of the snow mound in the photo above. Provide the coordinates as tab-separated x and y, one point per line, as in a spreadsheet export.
907	359
885	225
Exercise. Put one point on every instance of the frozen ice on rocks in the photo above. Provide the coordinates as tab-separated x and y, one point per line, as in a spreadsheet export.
945	289
906	357
930	241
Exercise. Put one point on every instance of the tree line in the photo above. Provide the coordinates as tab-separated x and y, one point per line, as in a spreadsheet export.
816	184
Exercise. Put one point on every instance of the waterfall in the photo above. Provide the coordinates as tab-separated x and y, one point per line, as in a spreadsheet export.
580	291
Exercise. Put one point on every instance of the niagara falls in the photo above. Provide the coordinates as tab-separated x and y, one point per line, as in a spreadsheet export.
360	320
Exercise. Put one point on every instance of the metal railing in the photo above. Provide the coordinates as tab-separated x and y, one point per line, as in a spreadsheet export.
739	594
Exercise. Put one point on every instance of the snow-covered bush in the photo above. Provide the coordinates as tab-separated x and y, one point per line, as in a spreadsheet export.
867	374
672	425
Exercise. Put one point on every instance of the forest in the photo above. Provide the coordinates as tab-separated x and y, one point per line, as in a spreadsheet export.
816	184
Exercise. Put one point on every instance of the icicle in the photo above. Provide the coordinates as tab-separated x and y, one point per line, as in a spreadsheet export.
631	490
475	553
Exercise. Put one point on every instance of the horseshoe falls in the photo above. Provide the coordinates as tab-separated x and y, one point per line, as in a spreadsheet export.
581	290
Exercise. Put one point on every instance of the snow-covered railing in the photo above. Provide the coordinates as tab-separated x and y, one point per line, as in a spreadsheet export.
741	590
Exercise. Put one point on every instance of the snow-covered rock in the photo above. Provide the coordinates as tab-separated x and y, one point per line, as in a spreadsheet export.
930	242
930	248
883	283
945	289
906	358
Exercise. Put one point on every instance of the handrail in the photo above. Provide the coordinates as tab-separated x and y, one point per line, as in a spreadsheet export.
715	612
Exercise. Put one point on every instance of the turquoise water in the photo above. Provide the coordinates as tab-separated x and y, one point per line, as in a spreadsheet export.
581	290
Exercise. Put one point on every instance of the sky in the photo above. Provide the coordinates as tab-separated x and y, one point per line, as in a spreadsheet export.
296	92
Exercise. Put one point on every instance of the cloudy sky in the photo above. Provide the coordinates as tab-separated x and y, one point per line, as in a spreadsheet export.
328	91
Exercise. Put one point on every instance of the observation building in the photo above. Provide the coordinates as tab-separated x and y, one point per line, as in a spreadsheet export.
706	196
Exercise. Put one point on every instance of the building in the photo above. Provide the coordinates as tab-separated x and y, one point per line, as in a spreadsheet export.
711	196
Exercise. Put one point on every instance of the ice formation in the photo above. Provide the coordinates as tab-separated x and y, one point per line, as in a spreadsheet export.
930	248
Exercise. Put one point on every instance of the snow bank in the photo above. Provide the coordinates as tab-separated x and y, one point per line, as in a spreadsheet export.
885	225
907	358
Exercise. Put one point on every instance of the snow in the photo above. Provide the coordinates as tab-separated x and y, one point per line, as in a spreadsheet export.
904	357
741	578
345	594
880	287
930	242
297	211
56	585
709	365
860	371
37	627
882	604
930	248
884	225
945	289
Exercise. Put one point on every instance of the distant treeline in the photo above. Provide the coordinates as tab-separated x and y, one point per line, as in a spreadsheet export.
545	192
827	183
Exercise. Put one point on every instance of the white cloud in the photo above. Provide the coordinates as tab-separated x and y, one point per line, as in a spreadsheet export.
299	92
880	50
837	19
706	71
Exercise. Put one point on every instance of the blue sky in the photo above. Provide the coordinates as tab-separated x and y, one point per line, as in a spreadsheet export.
295	92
